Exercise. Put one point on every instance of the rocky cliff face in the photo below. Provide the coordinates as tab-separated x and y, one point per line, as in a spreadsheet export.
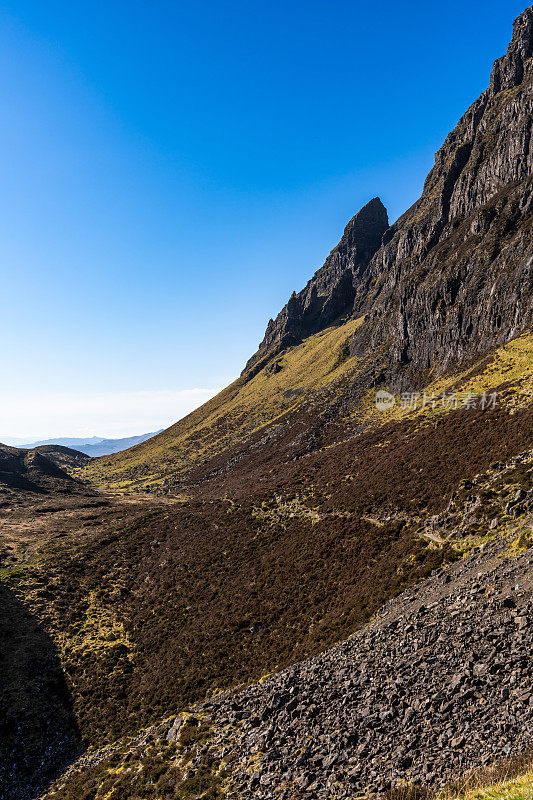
331	291
454	275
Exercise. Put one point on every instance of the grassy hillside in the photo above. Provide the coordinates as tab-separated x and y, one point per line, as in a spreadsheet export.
517	789
301	508
317	382
231	416
520	788
287	546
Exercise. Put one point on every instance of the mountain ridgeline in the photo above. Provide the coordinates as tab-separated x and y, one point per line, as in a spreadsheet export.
453	277
331	292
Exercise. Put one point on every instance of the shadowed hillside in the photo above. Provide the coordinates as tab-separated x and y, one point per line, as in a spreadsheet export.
38	730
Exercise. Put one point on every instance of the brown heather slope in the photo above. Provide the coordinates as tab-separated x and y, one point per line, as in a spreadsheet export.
153	605
437	685
37	470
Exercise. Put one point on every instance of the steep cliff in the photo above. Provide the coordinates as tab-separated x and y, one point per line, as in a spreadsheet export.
331	291
454	275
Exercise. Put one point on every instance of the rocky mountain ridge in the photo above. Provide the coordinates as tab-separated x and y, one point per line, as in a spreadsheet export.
455	274
332	289
453	277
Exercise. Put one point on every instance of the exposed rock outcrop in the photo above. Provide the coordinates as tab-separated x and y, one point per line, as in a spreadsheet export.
331	291
454	275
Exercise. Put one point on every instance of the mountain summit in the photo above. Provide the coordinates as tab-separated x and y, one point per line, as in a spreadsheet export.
331	291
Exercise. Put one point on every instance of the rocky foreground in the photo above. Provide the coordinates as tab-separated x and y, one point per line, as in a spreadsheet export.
440	683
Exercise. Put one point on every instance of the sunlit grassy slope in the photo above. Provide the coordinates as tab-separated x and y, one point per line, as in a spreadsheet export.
313	372
507	372
233	414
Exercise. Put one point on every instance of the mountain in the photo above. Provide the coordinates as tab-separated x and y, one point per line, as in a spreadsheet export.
107	446
395	306
319	583
453	277
95	446
73	442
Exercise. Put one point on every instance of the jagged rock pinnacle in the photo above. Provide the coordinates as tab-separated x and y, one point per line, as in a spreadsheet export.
331	291
509	70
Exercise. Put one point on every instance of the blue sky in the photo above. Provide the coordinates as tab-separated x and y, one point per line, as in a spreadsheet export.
171	171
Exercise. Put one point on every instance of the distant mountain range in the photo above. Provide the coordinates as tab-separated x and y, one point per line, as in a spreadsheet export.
92	446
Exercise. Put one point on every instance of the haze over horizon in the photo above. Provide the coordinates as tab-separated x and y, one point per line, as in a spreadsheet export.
169	177
111	416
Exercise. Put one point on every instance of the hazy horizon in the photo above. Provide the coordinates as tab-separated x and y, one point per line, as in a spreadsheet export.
85	440
65	413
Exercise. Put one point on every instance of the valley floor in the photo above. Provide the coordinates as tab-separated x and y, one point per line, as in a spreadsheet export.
440	683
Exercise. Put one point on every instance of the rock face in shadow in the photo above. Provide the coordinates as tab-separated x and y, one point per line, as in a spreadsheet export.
38	732
453	277
331	291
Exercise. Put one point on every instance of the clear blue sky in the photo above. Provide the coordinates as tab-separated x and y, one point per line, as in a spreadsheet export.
171	171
